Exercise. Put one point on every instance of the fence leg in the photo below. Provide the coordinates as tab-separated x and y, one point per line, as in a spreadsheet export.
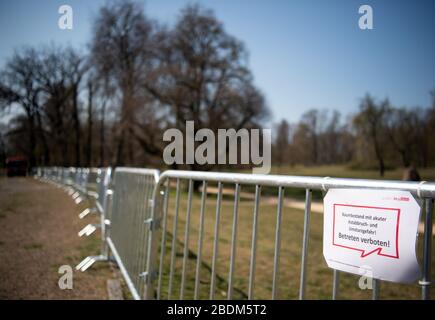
105	224
254	243
164	218
305	243
427	247
186	239
174	240
233	243
335	284
153	240
216	242
376	289
277	244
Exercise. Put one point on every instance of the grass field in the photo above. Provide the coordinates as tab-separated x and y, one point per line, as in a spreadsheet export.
339	171
344	171
319	277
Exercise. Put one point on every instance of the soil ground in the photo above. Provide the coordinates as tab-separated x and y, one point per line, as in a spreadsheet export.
38	234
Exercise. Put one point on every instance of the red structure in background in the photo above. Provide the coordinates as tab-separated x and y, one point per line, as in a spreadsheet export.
16	166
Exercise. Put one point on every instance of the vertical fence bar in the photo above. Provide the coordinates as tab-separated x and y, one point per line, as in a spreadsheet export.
254	243
335	284
132	228
376	289
277	243
216	241
153	239
140	233
141	241
186	239
305	243
174	239
200	239
124	234
108	200
163	240
427	248
143	253
233	242
136	225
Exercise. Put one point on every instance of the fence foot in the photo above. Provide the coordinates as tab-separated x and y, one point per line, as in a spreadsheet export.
89	229
89	261
87	211
78	200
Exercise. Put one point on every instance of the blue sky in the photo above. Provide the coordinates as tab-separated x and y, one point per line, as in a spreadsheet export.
303	54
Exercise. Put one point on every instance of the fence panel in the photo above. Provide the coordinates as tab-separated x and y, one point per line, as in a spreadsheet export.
101	206
233	230
195	235
130	224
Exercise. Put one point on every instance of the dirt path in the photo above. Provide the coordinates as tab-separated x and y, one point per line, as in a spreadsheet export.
38	234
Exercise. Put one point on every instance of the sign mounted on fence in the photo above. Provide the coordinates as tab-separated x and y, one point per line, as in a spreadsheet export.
372	232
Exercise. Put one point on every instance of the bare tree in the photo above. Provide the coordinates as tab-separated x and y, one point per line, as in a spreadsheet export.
201	74
59	76
282	143
3	147
19	89
310	126
89	145
120	50
76	67
428	143
402	128
370	123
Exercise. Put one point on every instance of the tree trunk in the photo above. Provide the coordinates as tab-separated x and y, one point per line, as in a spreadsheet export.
405	160
2	152
119	161
90	125
32	142
315	149
43	138
66	161
381	162
380	158
102	138
381	167
76	126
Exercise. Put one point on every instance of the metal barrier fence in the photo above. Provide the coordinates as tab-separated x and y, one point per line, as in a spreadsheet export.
130	224
102	195
152	223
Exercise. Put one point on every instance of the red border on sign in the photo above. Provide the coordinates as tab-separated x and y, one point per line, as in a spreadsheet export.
379	250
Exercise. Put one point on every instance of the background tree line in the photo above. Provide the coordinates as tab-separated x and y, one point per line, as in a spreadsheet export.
110	104
378	135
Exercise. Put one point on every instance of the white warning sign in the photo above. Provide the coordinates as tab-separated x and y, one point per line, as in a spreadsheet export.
372	229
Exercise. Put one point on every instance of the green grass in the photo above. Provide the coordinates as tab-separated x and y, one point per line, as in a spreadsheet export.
345	171
339	171
33	246
319	276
